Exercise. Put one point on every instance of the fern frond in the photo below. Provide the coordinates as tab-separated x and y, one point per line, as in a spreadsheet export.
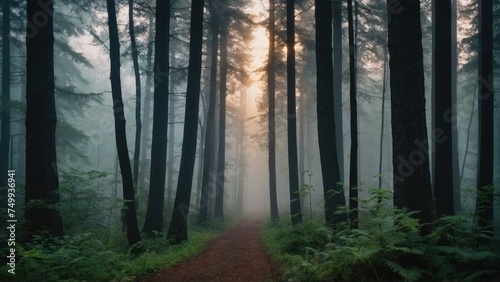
408	274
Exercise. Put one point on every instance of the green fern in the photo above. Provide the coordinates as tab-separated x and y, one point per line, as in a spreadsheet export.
408	274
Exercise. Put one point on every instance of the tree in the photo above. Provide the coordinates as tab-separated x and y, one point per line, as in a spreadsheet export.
178	225
154	214
454	113
147	106
443	174
42	184
353	167
412	187
209	148
5	110
293	170
133	235
221	160
137	76
271	85
337	83
484	203
332	188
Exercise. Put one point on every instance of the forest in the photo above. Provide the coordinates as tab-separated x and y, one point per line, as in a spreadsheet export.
306	140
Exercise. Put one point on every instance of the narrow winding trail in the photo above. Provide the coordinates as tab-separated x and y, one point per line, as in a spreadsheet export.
236	256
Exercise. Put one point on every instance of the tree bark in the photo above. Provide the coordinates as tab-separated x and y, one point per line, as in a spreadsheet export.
5	110
147	108
271	88
353	167
454	118
443	173
209	148
120	129
293	170
412	187
171	142
137	76
484	203
337	83
42	183
332	188
154	213
221	160
178	225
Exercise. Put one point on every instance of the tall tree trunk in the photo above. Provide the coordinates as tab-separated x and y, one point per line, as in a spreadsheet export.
454	126
199	172
171	142
5	110
137	76
353	167
382	123
221	160
293	170
241	152
147	107
412	186
154	213
301	137
443	173
332	189
337	83
42	183
209	150
120	129
178	225
271	88
484	204
21	145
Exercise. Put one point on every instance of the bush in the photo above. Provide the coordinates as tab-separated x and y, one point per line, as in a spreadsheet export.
388	247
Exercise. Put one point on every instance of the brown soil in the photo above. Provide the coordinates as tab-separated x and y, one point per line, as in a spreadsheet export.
236	256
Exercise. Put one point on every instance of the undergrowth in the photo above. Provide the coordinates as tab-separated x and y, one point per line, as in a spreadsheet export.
94	247
84	257
388	246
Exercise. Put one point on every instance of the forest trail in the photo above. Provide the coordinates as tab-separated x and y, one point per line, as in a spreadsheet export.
235	256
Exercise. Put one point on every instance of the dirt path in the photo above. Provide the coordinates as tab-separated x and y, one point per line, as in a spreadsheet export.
236	256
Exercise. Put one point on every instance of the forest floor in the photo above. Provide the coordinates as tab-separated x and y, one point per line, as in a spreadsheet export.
238	255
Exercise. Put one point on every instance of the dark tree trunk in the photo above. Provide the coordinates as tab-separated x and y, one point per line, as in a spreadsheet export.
443	173
293	170
337	83
332	187
178	225
120	129
484	204
209	148
154	214
454	125
412	186
353	167
137	76
221	160
271	87
42	182
171	142
147	108
5	110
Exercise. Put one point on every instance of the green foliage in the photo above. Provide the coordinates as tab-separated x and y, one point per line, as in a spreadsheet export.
83	257
387	247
